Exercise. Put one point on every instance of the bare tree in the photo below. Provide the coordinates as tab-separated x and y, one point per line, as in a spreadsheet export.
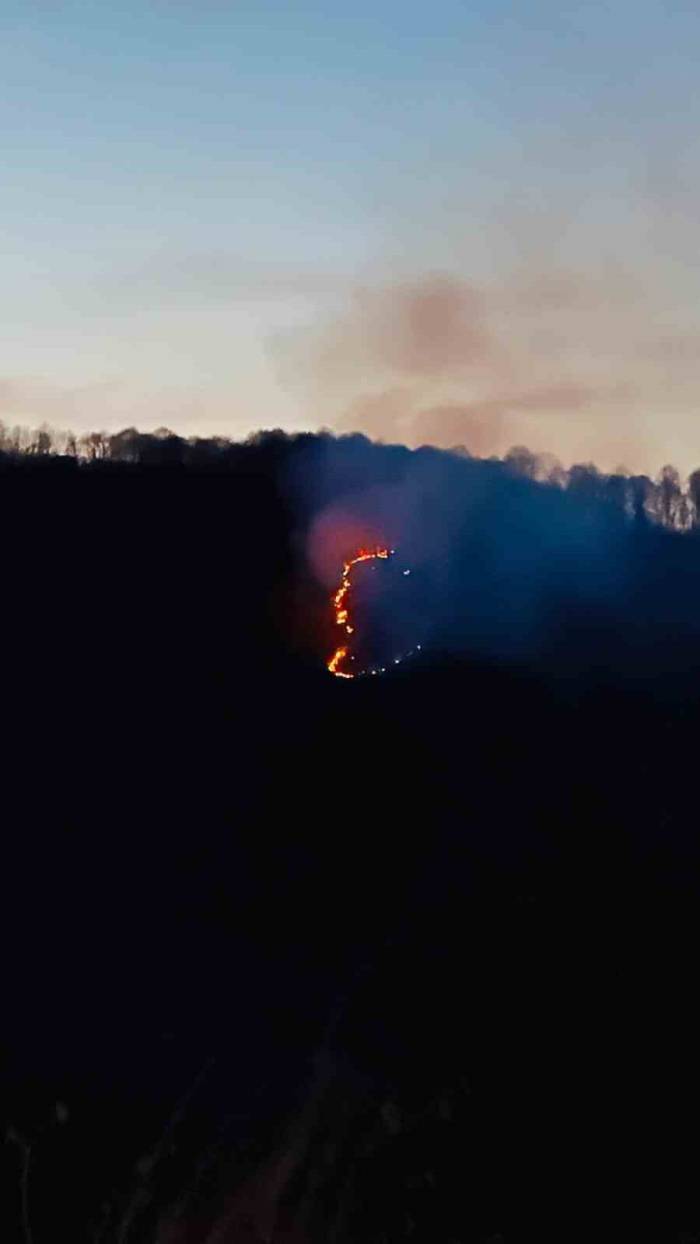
42	440
71	445
694	495
124	446
95	446
522	461
640	491
668	496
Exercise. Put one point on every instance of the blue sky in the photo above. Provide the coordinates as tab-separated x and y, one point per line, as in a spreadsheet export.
191	195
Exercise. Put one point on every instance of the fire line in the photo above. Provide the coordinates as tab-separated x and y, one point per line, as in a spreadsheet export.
341	606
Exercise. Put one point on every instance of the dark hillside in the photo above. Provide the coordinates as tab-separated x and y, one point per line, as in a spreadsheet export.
468	888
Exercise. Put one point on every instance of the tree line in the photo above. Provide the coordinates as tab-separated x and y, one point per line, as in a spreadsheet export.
667	499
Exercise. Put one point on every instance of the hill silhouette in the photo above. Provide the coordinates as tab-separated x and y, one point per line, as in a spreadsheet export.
291	958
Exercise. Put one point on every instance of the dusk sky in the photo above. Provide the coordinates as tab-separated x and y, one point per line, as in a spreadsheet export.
458	223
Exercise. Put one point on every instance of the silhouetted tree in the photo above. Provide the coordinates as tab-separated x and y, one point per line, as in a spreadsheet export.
522	461
668	497
694	494
641	491
124	446
72	447
95	446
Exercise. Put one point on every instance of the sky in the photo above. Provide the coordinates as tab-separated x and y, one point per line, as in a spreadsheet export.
448	223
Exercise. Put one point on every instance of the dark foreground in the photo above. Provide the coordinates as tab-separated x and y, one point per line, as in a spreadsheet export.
291	959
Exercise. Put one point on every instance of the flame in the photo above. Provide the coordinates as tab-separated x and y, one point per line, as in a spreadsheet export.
341	610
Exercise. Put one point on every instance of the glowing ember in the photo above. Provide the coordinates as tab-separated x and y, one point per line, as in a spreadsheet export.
341	609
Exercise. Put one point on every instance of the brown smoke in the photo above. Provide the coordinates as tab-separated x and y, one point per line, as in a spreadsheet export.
586	366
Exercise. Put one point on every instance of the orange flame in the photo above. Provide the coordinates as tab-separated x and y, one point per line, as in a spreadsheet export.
341	611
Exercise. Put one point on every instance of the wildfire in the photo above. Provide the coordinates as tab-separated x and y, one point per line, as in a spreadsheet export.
341	609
